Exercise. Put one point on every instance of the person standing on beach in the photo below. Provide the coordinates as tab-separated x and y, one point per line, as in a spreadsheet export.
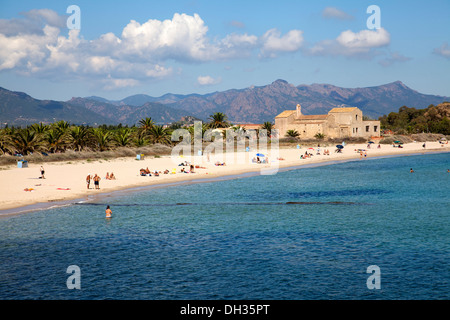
88	181
42	172
97	182
108	212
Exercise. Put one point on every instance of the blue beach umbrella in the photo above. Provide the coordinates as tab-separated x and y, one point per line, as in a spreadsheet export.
259	155
339	146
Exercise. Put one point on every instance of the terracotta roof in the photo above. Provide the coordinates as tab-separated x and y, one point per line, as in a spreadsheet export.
285	114
342	109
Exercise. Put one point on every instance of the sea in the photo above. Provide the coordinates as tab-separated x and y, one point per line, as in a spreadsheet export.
365	229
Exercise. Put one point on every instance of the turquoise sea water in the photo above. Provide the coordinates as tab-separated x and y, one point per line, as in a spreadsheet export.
300	234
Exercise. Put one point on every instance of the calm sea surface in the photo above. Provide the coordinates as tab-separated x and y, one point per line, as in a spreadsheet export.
300	234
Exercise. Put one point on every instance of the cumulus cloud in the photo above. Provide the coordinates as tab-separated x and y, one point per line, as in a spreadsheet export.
40	44
349	43
443	50
208	80
335	13
274	42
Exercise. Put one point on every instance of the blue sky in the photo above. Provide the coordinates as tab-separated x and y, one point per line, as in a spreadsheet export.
195	46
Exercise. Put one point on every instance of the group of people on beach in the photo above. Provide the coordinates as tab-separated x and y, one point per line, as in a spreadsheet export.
258	160
110	176
146	172
96	180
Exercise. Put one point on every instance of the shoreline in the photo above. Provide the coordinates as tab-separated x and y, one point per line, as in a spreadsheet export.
13	200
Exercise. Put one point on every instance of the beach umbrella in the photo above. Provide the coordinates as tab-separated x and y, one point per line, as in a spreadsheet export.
259	155
397	141
371	142
339	146
310	148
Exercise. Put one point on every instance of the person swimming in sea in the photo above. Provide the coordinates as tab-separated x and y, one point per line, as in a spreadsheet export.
411	170
108	212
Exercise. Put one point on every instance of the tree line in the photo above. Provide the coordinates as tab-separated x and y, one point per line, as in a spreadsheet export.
434	119
61	136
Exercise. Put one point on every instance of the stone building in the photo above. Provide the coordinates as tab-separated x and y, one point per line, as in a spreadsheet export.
338	123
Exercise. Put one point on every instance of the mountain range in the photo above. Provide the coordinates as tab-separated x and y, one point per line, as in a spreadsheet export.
248	105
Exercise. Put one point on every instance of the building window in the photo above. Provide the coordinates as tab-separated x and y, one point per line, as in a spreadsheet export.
375	128
367	128
356	117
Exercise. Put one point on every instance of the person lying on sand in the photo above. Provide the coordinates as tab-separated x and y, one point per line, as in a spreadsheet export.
144	172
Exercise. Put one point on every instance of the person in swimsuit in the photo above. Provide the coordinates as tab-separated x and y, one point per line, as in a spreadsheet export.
42	172
108	212
97	182
88	181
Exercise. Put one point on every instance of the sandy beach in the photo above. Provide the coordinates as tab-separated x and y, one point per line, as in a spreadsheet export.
65	181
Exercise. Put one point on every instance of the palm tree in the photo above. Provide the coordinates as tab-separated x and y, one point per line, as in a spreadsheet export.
123	137
159	134
292	133
39	128
102	139
26	141
319	136
218	120
63	125
140	139
5	142
56	140
79	137
268	126
146	125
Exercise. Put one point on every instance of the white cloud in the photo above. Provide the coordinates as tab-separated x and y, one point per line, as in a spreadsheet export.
39	44
364	39
335	13
274	43
443	50
113	84
208	80
349	43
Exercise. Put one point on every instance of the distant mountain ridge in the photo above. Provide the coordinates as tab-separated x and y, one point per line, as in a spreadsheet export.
119	112
18	108
255	104
263	103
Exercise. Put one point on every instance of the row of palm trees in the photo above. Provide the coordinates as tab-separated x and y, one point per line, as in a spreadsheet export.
61	136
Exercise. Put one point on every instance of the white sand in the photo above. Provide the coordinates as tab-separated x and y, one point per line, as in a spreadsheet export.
72	176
